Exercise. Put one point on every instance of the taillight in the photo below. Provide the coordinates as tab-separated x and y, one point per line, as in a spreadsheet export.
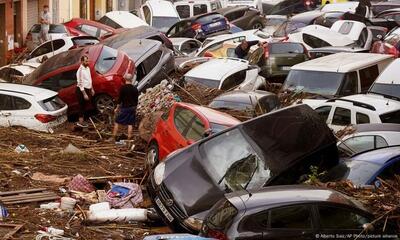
217	234
29	37
208	54
196	26
393	51
266	52
45	118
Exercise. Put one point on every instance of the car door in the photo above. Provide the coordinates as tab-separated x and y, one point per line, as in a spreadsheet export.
47	49
6	107
15	111
290	222
343	221
174	134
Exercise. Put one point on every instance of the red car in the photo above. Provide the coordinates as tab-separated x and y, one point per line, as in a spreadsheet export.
84	27
183	125
107	65
389	45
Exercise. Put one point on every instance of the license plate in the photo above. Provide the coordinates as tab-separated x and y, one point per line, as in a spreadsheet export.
216	24
164	210
285	68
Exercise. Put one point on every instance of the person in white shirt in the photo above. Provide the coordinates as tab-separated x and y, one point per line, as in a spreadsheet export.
45	19
84	88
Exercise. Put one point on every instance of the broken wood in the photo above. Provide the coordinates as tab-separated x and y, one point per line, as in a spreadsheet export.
95	128
27	196
14	229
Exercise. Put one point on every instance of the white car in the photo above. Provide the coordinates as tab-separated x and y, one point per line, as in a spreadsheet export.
388	82
186	46
160	14
226	74
359	109
12	72
190	8
122	19
56	31
31	107
370	136
53	47
249	35
356	31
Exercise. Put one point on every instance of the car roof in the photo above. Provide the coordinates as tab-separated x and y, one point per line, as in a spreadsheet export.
344	6
375	127
217	69
332	37
341	62
162	8
212	115
230	9
378	156
289	194
93	23
36	92
136	48
380	103
243	96
125	19
132	33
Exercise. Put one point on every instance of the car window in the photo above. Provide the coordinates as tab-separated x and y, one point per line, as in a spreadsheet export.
362	118
346	27
323	112
341	117
189	46
90	30
233	80
60	81
52	104
350	84
10	74
182	119
235	15
183	11
196	129
279	48
6	102
84	42
106	60
47	48
368	76
340	218
362	39
314	42
109	22
363	143
391	117
390	171
293	217
147	14
57	28
150	62
199	9
21	104
267	104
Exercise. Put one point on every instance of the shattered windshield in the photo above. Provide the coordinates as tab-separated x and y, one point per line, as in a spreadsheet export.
233	163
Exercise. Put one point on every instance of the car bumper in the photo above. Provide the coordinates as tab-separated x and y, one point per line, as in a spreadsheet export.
164	205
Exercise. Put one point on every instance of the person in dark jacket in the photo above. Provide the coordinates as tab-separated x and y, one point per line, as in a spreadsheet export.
126	107
363	8
243	48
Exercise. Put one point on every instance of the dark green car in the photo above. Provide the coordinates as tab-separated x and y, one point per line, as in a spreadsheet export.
279	57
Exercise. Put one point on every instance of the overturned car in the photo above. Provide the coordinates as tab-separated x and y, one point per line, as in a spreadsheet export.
273	149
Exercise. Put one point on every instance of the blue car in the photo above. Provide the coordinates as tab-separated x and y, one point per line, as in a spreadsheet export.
200	26
365	168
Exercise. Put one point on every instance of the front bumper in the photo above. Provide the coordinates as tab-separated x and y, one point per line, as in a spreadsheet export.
161	195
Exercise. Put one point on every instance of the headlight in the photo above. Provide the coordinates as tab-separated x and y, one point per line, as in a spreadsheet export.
159	173
194	223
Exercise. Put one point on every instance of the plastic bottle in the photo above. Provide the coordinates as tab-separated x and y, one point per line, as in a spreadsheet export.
54	231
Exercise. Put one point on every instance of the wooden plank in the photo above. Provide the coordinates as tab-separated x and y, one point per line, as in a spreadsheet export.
32	200
27	196
15	229
22	191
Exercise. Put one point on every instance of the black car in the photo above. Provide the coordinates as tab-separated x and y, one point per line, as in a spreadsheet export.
200	26
273	149
297	212
141	32
244	17
288	7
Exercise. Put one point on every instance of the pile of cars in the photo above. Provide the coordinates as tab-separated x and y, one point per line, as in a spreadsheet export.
211	173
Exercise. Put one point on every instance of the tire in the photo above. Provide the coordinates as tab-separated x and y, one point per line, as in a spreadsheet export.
152	155
104	103
257	25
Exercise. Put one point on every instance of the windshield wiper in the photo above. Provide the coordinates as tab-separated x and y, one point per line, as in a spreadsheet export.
109	58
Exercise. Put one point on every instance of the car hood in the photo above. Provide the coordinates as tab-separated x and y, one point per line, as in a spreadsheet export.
276	136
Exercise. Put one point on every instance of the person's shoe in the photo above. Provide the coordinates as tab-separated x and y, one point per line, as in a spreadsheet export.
82	125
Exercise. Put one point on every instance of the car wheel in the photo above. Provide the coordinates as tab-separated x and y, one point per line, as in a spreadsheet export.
257	25
104	103
152	156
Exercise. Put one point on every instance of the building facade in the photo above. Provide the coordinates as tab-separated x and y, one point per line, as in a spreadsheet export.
18	16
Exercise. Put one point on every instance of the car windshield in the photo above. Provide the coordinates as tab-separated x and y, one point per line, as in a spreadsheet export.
275	21
239	106
206	82
55	28
232	162
323	83
106	60
359	172
164	23
288	27
388	90
52	104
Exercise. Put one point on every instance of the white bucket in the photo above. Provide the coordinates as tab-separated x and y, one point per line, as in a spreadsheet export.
67	203
119	215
